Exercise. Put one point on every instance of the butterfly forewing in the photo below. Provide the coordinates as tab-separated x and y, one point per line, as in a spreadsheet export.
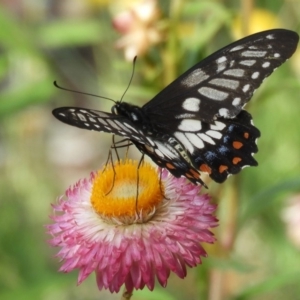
100	121
224	82
197	123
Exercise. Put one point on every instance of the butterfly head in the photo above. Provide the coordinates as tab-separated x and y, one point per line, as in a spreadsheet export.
132	112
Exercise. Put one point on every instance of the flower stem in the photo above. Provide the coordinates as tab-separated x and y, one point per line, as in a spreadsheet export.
126	295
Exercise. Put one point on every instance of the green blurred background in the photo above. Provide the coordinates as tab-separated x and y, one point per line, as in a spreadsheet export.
88	46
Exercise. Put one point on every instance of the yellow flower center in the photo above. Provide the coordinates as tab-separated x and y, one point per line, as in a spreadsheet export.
126	192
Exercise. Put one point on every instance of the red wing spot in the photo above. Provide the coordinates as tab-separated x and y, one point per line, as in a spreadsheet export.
205	168
236	160
195	174
170	166
222	168
246	135
237	145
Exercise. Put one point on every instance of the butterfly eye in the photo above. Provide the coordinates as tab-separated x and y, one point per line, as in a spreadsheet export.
114	110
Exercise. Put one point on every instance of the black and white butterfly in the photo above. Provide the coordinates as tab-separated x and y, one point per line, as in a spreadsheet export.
197	123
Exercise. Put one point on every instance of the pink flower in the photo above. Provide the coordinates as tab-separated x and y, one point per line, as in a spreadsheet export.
139	28
102	226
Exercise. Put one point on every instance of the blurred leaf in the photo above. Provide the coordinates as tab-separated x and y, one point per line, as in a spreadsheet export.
64	33
33	93
272	284
158	294
13	34
209	17
264	199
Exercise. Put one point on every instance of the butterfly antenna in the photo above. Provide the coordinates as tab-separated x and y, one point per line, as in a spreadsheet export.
133	67
78	92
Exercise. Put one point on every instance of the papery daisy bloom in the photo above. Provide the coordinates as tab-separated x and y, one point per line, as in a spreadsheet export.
139	28
102	226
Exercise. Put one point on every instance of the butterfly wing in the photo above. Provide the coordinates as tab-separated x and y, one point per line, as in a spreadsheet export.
198	119
220	149
101	121
222	83
224	147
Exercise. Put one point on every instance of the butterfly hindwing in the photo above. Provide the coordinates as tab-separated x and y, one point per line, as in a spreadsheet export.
220	149
229	147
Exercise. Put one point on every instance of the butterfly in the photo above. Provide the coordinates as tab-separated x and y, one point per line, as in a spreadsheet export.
197	123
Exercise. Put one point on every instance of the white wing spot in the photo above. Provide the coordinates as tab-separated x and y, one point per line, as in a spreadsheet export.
276	55
255	75
248	63
228	83
96	125
249	53
206	138
124	127
224	112
270	36
221	63
191	104
221	67
134	116
184	141
130	127
81	117
102	121
221	59
159	153
236	48
266	64
214	134
217	126
235	72
190	125
113	124
164	151
252	47
194	78
213	93
195	139
246	88
150	141
92	120
236	101
185	116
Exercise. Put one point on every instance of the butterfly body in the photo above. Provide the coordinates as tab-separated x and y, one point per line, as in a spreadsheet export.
197	123
136	115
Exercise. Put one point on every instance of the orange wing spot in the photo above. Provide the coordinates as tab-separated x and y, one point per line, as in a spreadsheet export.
188	175
237	145
196	174
236	160
246	135
205	168
222	168
170	166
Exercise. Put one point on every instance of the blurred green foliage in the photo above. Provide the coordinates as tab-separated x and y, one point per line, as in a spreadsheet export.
74	42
